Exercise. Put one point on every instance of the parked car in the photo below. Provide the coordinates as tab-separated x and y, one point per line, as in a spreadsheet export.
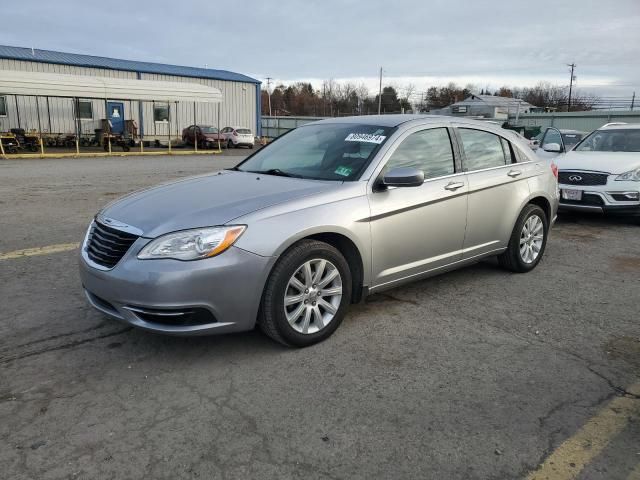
238	137
316	220
555	141
602	172
207	136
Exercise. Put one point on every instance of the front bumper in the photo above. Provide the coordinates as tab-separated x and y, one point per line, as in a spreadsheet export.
616	198
215	295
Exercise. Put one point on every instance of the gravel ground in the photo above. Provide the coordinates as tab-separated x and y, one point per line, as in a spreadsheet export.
475	374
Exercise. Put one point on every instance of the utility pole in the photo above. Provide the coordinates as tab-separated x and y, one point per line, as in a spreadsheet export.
269	92
633	100
380	93
573	66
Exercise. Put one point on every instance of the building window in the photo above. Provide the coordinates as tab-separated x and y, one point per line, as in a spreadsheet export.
3	106
85	110
161	112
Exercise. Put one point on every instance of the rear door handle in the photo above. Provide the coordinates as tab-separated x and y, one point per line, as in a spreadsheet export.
514	173
453	186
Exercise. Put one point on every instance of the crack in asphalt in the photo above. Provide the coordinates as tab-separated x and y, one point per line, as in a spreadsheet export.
19	356
62	335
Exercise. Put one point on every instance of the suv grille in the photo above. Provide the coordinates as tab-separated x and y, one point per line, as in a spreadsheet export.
582	178
106	245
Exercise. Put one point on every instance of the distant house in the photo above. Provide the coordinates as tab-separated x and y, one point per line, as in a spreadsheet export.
489	106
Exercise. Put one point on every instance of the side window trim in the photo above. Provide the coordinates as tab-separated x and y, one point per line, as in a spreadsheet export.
457	149
509	156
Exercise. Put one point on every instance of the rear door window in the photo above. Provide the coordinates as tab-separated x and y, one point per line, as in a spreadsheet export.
481	149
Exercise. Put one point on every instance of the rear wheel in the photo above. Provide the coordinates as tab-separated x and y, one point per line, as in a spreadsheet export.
528	241
229	144
307	294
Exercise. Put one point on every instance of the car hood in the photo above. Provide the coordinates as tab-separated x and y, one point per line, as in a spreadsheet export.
208	200
609	162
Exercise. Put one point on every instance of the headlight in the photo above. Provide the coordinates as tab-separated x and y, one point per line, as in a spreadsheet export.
631	176
192	244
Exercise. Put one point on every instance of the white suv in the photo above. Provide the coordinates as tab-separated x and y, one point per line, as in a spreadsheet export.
602	172
238	137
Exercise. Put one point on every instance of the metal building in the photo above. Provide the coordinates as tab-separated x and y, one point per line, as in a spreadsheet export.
240	96
488	106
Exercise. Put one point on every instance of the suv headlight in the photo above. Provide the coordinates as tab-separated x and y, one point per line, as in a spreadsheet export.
192	244
630	176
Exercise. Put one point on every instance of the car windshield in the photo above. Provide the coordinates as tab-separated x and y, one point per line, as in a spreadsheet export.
570	139
621	140
338	151
243	131
209	129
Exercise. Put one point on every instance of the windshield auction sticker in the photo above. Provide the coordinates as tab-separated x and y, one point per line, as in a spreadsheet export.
365	137
344	171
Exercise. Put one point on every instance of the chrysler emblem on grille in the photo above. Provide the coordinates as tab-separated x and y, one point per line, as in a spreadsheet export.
575	178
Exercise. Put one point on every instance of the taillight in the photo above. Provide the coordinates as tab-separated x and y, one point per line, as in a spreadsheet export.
235	134
554	169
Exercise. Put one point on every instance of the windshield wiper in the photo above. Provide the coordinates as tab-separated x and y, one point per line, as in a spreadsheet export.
276	172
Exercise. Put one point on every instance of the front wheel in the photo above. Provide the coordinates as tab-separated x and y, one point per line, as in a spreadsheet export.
307	294
528	241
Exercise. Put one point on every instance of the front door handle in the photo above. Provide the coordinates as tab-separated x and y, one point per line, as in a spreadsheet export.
514	173
453	186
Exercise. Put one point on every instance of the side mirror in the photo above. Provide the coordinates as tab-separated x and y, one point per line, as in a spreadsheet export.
552	147
403	177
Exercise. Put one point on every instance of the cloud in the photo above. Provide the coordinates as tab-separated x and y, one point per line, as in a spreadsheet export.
486	43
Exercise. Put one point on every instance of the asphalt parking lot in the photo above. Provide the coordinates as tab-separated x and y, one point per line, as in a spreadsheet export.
475	374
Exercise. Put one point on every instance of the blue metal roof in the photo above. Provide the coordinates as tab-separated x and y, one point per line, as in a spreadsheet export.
61	58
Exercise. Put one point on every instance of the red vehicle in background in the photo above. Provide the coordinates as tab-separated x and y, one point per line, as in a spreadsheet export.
208	137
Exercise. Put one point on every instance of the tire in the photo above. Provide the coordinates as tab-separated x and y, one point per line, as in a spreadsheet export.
230	145
513	259
250	147
319	321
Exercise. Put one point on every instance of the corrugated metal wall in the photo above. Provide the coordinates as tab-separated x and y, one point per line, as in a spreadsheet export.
238	107
583	121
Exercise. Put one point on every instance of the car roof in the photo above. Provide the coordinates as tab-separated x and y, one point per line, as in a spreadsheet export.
394	120
620	126
570	131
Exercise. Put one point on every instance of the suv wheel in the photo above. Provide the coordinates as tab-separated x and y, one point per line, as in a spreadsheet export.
527	242
307	294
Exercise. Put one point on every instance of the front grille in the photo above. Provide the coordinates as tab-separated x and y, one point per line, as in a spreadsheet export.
582	178
587	199
106	245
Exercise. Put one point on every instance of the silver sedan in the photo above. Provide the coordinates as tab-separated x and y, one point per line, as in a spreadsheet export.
320	218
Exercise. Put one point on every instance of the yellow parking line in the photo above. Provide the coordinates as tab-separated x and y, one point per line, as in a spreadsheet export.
30	252
635	474
568	460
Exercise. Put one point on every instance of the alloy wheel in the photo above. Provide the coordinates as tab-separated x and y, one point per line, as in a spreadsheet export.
312	296
531	238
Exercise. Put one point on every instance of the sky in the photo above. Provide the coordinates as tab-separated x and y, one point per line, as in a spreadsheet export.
418	42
